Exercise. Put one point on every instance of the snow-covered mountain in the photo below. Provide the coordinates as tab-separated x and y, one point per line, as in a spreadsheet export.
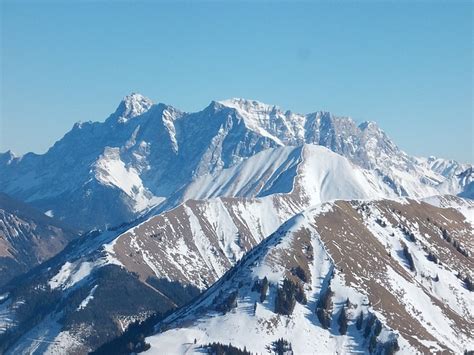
184	197
344	277
106	173
27	238
191	245
445	167
310	173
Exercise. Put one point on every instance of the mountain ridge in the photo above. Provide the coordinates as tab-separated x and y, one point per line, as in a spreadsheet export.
28	237
359	266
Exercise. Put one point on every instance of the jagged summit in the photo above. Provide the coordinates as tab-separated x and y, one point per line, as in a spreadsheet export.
249	106
131	106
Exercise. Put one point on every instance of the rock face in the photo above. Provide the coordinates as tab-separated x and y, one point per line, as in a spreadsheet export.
27	238
106	173
348	276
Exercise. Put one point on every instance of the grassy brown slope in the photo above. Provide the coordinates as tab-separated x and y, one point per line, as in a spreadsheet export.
364	261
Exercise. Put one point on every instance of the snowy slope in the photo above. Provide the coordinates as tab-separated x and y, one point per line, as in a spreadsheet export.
270	171
312	173
355	249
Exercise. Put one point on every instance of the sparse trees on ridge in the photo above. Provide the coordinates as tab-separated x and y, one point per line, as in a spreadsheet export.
323	307
287	296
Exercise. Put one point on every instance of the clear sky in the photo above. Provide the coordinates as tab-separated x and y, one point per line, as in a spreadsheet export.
407	66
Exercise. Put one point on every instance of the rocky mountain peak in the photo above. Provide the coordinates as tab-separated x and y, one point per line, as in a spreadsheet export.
131	106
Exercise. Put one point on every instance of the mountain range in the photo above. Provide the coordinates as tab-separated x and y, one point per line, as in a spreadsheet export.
143	153
180	219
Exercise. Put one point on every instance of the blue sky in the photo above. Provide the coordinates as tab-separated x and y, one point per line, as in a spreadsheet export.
407	66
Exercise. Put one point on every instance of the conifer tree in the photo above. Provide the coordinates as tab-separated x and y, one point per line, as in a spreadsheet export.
342	321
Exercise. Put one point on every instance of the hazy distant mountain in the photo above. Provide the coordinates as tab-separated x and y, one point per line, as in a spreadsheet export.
106	173
27	237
